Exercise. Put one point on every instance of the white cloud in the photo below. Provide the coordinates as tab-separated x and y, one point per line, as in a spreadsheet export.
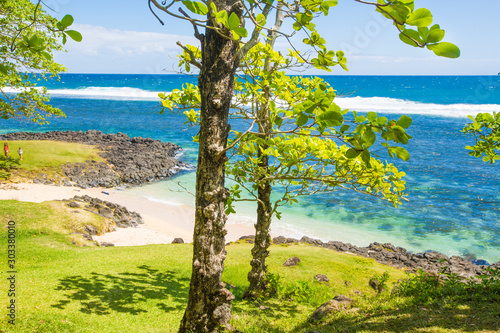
100	40
105	50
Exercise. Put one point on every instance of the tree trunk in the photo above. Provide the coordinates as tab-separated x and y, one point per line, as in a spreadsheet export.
256	276
209	303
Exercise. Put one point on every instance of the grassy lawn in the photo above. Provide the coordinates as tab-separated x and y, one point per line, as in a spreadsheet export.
65	287
43	157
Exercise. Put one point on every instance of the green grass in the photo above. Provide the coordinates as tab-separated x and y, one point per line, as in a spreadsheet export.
43	157
70	288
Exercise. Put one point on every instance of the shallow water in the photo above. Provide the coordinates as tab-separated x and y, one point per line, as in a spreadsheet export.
454	198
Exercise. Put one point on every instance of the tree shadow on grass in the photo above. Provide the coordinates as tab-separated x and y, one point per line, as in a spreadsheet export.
125	292
267	312
462	316
6	164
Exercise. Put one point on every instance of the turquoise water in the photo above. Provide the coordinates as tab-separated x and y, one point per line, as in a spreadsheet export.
454	202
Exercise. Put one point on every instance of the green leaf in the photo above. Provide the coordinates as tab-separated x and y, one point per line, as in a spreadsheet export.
3	70
297	26
400	153
234	21
369	138
332	118
400	133
46	55
221	17
213	7
261	19
404	121
301	119
423	32
407	35
382	120
365	156
435	35
196	7
372	116
278	121
421	17
360	119
445	49
352	153
66	21
75	35
242	32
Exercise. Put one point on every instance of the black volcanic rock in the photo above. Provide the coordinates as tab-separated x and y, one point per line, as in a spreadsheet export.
128	160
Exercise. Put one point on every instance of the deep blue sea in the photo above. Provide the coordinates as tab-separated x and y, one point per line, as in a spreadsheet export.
454	199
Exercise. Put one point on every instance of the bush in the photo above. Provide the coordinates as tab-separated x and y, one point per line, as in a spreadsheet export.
313	293
426	287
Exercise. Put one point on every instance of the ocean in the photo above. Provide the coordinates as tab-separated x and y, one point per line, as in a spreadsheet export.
454	199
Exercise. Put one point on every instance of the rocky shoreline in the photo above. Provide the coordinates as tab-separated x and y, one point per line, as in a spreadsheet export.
115	215
133	161
139	160
398	257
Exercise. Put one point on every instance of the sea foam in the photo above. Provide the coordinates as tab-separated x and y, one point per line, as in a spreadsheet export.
399	106
383	105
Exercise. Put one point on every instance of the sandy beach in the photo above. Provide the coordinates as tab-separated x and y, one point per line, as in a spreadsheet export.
163	222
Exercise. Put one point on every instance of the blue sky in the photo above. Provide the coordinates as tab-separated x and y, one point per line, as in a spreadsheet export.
124	37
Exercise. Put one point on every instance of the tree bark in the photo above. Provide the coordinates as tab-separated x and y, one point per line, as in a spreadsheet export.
256	276
209	303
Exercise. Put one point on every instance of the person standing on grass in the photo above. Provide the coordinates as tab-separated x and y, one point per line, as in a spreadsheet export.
20	152
6	149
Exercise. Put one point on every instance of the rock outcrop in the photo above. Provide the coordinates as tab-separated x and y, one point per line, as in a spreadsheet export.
128	160
399	257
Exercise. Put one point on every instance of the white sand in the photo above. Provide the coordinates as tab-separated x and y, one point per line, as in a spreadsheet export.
162	222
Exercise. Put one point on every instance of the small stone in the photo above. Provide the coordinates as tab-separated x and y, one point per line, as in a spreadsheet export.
106	244
338	303
293	261
374	284
87	237
279	240
309	240
106	212
90	229
178	241
343	299
321	278
73	204
262	307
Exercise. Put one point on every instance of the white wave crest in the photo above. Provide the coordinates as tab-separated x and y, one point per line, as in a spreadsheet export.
112	93
116	93
361	104
399	106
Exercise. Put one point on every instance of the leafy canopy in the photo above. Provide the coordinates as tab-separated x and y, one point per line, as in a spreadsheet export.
486	128
28	38
312	144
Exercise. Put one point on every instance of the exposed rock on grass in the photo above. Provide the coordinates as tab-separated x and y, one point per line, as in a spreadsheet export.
293	261
399	257
337	304
128	160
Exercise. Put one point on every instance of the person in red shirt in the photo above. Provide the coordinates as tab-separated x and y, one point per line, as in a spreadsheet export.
6	149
